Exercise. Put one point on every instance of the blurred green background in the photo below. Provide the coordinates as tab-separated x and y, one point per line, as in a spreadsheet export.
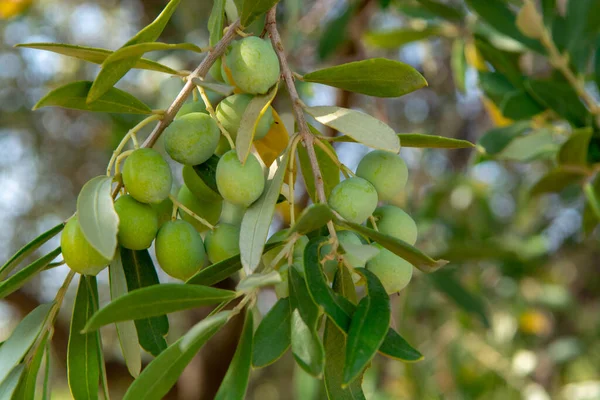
516	315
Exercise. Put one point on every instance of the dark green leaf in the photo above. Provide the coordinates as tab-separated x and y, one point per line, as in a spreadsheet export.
500	17
16	281
329	170
300	298
556	180
83	363
8	387
140	273
318	287
235	382
307	348
207	171
29	248
374	77
575	150
272	337
582	27
94	55
392	39
220	271
548	10
335	33
21	339
28	384
216	22
112	72
496	86
97	217
398	247
520	105
394	346
446	283
312	218
561	98
162	373
504	63
157	300
369	326
252	9
443	10
597	66
495	140
73	95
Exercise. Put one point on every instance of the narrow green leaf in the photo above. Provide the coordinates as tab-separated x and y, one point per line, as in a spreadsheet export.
252	9
374	77
459	65
82	354
398	247
162	373
73	95
597	66
561	98
395	38
533	146
312	218
216	22
112	72
139	273
360	126
258	280
272	337
394	346
16	281
219	88
520	105
252	114
300	299
496	85
581	31
369	327
318	287
47	386
307	348
329	169
421	140
495	140
500	17
22	338
157	300
29	248
29	382
8	387
446	283
137	50
335	354
556	180
220	271
575	150
235	382
257	219
443	10
125	330
97	217
207	171
94	55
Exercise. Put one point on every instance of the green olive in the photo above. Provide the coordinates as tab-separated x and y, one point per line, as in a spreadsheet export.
240	184
197	186
179	249
230	110
386	171
209	210
394	272
253	64
393	221
78	253
354	199
222	242
138	223
192	139
147	176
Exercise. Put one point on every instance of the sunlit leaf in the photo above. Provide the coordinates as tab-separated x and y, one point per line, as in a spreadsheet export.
394	38
136	50
16	281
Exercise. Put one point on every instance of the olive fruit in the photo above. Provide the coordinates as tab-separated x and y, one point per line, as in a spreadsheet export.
138	223
240	184
78	253
394	272
179	249
386	171
354	199
209	210
222	242
197	186
253	64
147	176
231	109
192	138
393	221
163	210
232	214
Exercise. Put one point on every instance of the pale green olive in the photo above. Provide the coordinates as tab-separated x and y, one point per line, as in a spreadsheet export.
78	253
179	249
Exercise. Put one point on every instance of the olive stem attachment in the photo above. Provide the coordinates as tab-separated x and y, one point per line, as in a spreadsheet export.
213	115
191	213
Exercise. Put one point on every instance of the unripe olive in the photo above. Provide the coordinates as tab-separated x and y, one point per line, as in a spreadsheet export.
355	199
198	105
209	210
344	238
147	176
240	184
179	249
386	171
222	242
223	146
197	186
192	139
78	253
393	221
232	214
215	71
163	210
138	223
394	272
254	65
231	109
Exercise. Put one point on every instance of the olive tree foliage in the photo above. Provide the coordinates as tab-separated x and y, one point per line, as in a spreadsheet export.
240	162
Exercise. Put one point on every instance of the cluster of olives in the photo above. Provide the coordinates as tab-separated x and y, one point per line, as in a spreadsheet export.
183	246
